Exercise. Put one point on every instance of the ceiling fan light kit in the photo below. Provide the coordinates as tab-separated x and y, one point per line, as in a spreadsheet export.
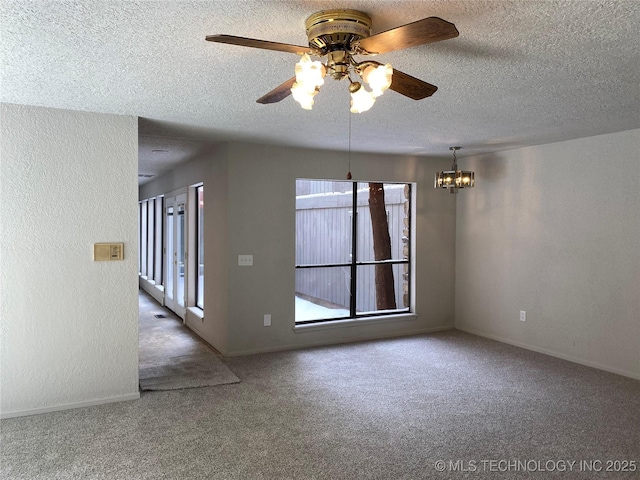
378	78
309	79
454	179
361	99
339	35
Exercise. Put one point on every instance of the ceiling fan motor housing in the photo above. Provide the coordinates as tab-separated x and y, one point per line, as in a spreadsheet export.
336	27
331	32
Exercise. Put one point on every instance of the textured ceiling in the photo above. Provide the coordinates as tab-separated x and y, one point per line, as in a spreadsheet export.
521	73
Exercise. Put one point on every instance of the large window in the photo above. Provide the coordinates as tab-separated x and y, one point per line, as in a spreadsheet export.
140	238
158	244
166	227
150	221
151	237
353	249
200	247
143	237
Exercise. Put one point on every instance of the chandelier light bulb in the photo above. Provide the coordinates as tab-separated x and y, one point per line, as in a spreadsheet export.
378	78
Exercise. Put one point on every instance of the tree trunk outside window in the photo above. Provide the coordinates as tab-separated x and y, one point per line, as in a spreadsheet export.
385	292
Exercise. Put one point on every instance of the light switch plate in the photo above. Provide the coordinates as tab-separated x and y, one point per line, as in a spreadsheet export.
245	260
106	252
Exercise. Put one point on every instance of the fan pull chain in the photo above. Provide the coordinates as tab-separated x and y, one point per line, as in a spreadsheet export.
349	172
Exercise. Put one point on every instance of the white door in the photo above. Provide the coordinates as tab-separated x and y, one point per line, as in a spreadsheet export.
175	254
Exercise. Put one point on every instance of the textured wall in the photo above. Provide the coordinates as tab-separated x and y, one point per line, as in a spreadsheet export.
554	230
262	223
69	324
250	209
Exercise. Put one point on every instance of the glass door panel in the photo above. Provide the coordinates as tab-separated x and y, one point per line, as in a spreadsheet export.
175	254
180	254
169	255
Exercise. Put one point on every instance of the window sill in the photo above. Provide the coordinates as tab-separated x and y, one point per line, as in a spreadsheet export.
151	282
196	312
352	322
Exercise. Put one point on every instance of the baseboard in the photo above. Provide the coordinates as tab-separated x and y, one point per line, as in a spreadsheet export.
297	346
152	289
202	337
551	353
69	406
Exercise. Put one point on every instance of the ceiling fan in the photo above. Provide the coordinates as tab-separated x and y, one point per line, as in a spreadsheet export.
340	35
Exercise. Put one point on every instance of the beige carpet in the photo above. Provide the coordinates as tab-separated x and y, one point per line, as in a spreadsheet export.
389	409
188	371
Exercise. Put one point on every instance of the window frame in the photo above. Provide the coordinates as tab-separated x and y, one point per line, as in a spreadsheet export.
151	238
199	245
140	238
158	241
144	238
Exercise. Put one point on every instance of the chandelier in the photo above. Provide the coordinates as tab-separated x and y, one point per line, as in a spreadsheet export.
454	179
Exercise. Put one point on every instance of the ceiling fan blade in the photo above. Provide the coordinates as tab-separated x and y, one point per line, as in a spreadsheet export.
279	93
252	42
411	86
427	30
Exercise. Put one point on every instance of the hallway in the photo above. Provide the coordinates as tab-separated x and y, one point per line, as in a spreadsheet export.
165	338
171	356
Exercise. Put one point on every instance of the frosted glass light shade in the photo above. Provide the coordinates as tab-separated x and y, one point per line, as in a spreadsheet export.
361	100
309	78
310	73
303	96
378	78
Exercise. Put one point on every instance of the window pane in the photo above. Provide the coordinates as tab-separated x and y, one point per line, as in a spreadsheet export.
169	282
322	293
323	222
392	279
326	214
151	238
383	217
159	243
180	249
143	240
200	248
139	238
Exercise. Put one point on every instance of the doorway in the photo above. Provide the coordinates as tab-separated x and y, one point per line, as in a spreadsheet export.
175	254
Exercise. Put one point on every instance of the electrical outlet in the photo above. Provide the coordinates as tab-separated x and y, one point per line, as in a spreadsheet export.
523	316
245	260
267	320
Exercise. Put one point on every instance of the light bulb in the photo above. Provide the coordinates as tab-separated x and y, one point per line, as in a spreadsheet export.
309	77
310	73
378	78
361	100
303	96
